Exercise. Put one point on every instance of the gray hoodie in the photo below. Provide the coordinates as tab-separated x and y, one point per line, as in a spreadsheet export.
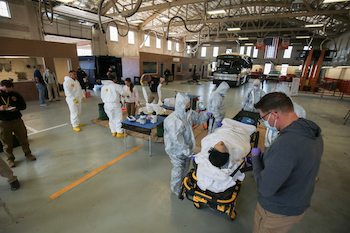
286	172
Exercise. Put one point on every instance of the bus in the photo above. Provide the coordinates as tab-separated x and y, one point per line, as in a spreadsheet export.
232	68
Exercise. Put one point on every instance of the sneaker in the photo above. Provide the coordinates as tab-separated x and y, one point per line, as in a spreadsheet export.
81	125
14	185
11	163
43	105
31	157
76	129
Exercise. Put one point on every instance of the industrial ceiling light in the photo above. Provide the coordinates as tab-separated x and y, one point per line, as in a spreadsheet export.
249	44
166	19
302	37
233	29
215	12
172	33
333	1
137	21
313	25
66	1
243	38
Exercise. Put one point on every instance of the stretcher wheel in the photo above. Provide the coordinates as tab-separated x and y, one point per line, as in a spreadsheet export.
233	215
197	205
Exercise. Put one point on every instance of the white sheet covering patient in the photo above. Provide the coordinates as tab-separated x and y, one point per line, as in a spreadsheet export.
236	137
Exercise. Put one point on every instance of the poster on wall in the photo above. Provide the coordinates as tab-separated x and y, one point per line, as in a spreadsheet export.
295	87
150	67
185	66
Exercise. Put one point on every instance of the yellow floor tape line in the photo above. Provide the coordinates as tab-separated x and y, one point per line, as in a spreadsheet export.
53	196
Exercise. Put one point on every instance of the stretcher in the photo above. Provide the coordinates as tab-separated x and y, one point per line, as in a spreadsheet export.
224	202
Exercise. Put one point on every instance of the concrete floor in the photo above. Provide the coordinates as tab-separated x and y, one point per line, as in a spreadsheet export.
133	194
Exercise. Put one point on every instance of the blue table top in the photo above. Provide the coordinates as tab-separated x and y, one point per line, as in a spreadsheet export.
193	96
168	107
148	124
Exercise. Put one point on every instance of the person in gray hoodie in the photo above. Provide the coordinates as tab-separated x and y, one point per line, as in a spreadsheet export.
285	174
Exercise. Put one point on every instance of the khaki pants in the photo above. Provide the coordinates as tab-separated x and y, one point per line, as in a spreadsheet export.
153	96
52	89
6	129
267	222
130	108
6	172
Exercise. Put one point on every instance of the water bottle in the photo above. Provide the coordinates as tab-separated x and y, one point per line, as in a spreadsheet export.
142	118
154	117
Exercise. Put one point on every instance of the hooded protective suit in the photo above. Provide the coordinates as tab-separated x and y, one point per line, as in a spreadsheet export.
74	95
300	111
252	97
236	137
216	104
179	139
111	95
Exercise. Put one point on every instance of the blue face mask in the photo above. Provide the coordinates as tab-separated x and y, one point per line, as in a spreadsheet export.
269	126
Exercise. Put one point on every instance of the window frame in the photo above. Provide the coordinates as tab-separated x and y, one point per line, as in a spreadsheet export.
131	37
7	10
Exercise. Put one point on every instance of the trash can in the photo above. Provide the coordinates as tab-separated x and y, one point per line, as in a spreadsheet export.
160	128
101	112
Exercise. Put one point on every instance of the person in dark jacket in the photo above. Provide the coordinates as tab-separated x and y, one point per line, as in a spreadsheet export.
285	174
11	103
166	75
82	78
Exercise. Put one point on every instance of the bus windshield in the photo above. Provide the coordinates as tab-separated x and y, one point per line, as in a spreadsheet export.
232	64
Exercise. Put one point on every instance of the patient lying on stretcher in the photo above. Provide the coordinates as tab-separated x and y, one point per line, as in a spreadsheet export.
221	154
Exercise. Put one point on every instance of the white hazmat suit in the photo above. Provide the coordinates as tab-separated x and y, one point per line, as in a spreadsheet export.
252	97
236	137
300	111
111	95
179	139
74	96
216	105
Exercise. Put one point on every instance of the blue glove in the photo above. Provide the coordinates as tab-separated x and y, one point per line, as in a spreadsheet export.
192	157
219	124
208	114
242	108
256	151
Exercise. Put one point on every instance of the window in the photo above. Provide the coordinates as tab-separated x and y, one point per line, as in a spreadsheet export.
284	69
215	51
228	50
158	43
267	68
213	66
288	52
241	50
307	48
177	47
113	33
85	51
4	9
204	52
131	37
188	49
169	45
249	50
147	40
255	52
